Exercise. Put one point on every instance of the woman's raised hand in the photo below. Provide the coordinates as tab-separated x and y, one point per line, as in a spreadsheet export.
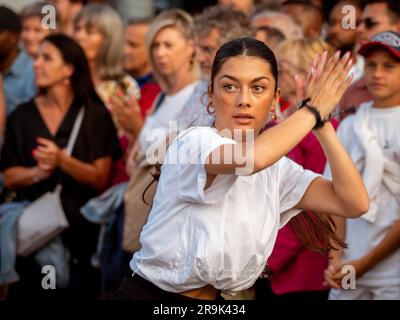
326	82
126	110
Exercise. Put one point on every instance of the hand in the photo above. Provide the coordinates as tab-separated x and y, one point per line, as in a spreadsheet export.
47	154
334	275
333	269
127	112
326	82
41	174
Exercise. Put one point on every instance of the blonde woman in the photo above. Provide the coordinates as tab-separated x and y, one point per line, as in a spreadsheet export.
171	51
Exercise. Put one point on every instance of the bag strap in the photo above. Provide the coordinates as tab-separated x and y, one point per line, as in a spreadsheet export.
72	139
75	130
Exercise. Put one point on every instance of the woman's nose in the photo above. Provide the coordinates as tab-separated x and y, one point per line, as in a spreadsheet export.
243	98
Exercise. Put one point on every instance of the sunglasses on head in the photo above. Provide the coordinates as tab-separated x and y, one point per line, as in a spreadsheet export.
369	23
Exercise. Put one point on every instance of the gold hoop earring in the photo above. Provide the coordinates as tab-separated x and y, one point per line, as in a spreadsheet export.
274	116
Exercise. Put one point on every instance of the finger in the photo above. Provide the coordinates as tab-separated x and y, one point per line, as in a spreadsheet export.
44	141
312	67
131	99
345	71
40	155
116	101
43	149
119	92
338	276
341	70
329	282
344	86
311	84
321	63
330	66
299	82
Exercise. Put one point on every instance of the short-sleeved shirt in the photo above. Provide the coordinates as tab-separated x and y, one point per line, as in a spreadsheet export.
221	236
384	125
97	138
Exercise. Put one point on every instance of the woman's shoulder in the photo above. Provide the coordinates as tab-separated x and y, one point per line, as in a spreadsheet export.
22	111
197	133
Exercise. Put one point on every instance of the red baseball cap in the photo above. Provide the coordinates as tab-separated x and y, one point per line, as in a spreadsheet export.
389	41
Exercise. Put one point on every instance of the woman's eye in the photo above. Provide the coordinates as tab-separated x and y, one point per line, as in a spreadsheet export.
258	89
230	88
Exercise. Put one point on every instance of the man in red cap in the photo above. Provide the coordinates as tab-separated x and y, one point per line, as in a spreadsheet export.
372	139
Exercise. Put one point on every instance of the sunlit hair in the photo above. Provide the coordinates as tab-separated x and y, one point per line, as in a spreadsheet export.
183	23
108	22
281	21
33	10
230	23
301	52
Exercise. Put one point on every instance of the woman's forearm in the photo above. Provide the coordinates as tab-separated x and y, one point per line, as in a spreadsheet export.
268	147
96	176
346	180
16	177
277	141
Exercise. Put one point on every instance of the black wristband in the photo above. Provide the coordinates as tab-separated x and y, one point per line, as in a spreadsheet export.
319	123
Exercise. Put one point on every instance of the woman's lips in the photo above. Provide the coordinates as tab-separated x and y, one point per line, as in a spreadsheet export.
243	118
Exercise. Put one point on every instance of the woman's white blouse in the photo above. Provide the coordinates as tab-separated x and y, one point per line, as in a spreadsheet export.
221	236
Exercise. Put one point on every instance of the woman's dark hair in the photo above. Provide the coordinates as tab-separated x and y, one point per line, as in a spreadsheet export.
244	46
81	80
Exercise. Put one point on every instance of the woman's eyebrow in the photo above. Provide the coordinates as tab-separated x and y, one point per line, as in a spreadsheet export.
261	78
229	77
254	80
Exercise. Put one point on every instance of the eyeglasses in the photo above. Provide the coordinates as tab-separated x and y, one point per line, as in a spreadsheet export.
369	23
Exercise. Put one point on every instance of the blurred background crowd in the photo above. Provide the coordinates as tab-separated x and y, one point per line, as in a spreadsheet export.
136	65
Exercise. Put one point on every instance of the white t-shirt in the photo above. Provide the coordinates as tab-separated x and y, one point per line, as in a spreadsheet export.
169	110
362	235
221	236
